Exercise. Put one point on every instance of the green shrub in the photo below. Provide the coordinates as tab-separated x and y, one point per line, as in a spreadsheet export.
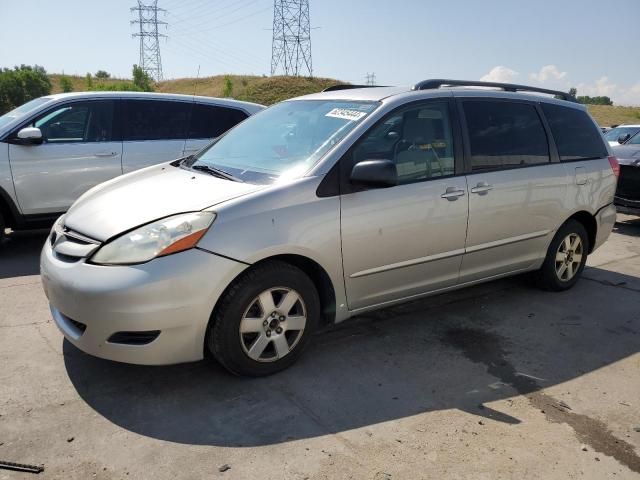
142	80
65	84
21	84
227	89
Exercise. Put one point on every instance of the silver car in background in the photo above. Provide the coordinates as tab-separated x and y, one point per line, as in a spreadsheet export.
55	148
323	207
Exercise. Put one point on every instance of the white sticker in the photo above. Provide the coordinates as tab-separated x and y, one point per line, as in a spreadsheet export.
346	114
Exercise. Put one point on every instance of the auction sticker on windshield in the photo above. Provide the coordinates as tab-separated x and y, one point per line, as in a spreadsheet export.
346	114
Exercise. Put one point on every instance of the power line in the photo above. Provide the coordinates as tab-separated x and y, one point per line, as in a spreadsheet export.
291	44
150	60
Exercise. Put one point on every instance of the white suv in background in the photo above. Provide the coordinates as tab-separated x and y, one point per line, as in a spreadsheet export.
55	148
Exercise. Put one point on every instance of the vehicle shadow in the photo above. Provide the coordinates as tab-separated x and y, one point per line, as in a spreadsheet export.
627	225
20	253
456	351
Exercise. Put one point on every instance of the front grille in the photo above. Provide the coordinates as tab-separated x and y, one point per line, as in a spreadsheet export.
134	338
71	246
629	183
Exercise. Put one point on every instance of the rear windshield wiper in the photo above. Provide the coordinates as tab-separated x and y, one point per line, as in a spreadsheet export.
216	172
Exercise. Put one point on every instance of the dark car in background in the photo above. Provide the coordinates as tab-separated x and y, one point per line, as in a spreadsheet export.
627	197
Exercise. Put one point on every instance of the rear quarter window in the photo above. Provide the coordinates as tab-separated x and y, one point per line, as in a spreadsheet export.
210	121
575	134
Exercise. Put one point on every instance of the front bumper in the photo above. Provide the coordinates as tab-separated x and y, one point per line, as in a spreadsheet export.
174	294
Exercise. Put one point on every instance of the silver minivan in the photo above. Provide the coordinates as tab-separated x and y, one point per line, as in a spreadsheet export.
326	206
55	148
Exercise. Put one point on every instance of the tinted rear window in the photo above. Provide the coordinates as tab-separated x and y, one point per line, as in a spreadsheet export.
155	120
576	136
210	121
504	135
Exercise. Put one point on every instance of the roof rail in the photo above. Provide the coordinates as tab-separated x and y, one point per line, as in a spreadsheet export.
348	87
507	87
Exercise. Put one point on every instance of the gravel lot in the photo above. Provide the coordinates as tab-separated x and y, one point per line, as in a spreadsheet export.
497	381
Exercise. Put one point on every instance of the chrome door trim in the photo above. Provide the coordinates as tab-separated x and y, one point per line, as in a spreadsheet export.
507	241
452	253
430	293
407	263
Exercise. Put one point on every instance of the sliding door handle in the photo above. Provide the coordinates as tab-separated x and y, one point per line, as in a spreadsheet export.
481	188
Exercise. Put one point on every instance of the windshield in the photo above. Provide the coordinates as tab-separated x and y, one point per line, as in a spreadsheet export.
22	110
613	134
283	141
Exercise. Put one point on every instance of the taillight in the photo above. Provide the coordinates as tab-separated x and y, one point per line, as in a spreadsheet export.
615	166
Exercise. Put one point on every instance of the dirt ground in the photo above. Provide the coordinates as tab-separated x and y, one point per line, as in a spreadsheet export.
496	381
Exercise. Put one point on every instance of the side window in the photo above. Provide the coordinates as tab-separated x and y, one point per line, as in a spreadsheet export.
504	135
576	136
418	139
78	122
634	140
210	121
155	120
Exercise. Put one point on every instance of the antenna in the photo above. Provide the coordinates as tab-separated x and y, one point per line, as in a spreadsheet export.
195	85
150	60
291	44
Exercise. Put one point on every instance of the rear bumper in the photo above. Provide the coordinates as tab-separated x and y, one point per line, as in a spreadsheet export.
627	206
606	219
173	295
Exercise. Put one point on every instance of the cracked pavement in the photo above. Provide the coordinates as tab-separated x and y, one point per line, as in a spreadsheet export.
496	381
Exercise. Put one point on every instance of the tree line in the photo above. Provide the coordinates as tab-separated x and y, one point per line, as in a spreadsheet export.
586	99
19	85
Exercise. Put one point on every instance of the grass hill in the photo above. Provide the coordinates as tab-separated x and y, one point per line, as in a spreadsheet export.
270	90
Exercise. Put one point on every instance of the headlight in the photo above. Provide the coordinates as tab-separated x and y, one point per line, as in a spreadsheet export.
169	235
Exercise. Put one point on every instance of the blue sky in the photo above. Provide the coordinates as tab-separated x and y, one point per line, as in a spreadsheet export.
588	44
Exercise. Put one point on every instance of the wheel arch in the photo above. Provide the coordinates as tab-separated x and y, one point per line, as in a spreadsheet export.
590	224
317	274
8	209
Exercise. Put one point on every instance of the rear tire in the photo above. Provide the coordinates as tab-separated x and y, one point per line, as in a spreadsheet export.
264	320
565	258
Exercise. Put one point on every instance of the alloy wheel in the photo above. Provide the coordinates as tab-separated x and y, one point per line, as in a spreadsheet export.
273	324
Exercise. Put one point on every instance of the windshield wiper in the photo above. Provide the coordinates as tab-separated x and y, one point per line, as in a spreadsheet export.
216	172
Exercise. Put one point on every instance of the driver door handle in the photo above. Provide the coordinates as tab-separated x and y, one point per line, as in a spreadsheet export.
482	188
106	154
452	193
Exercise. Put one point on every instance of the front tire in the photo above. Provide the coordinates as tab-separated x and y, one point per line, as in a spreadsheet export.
566	258
264	320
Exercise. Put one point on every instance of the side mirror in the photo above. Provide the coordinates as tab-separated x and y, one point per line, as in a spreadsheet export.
375	173
392	135
29	136
623	138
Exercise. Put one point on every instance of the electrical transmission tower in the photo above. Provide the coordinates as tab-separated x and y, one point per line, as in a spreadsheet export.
150	60
371	79
291	45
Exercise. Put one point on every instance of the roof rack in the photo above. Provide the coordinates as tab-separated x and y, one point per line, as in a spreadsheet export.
348	87
507	87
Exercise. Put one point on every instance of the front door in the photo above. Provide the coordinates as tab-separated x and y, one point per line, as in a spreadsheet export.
78	152
408	239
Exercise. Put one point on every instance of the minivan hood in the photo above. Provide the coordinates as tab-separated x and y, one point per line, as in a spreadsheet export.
146	195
